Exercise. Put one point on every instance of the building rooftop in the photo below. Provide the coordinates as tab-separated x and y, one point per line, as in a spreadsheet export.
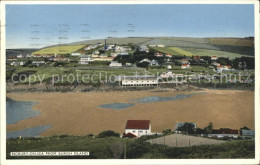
137	124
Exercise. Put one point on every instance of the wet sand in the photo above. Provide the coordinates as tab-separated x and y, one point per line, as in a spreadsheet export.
79	114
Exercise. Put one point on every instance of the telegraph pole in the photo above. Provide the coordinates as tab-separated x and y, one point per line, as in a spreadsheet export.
176	142
164	142
125	152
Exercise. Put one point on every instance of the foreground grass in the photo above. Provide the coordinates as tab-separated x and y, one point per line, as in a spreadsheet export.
100	148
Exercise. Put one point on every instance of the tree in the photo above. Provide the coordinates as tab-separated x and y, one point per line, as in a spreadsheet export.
188	128
143	64
209	128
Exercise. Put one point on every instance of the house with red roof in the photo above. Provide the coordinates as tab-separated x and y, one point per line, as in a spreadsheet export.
224	132
185	66
196	57
223	68
138	127
214	57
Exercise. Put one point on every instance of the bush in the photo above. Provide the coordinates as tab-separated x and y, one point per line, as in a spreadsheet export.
167	132
108	134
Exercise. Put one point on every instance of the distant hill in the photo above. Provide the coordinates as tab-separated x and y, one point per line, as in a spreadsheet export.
233	45
127	40
243	46
15	52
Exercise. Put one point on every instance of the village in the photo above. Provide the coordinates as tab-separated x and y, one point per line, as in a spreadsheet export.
171	69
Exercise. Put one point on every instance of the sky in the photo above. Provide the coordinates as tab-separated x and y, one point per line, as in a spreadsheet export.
36	26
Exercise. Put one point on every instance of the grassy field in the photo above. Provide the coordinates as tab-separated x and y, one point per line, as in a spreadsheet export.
231	41
175	51
197	52
102	148
207	52
59	50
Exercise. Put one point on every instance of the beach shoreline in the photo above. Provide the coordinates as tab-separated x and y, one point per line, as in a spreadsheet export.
78	113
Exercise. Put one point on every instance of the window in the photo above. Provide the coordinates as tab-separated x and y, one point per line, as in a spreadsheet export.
133	131
140	131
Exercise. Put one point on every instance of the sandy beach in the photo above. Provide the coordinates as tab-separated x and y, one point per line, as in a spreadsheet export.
79	113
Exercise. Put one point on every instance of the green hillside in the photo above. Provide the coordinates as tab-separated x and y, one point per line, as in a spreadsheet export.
207	52
173	51
177	51
232	41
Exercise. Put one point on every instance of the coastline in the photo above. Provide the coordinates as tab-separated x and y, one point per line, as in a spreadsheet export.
78	113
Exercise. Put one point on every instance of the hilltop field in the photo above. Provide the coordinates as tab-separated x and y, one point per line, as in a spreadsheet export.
59	49
221	47
197	52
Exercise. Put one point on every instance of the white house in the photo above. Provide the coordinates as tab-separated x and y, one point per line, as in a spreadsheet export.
139	80
138	127
85	59
144	49
38	63
221	68
15	63
103	58
22	63
145	60
75	54
224	132
214	57
160	46
90	47
154	63
96	52
28	56
216	64
115	63
21	56
119	49
123	53
167	74
247	133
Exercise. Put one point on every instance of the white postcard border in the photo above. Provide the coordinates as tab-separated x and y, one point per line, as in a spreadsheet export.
130	161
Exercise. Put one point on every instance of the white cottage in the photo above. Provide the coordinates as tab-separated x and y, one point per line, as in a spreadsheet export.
138	127
139	80
115	64
85	59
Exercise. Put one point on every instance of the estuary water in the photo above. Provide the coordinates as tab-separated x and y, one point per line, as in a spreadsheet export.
20	110
150	99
